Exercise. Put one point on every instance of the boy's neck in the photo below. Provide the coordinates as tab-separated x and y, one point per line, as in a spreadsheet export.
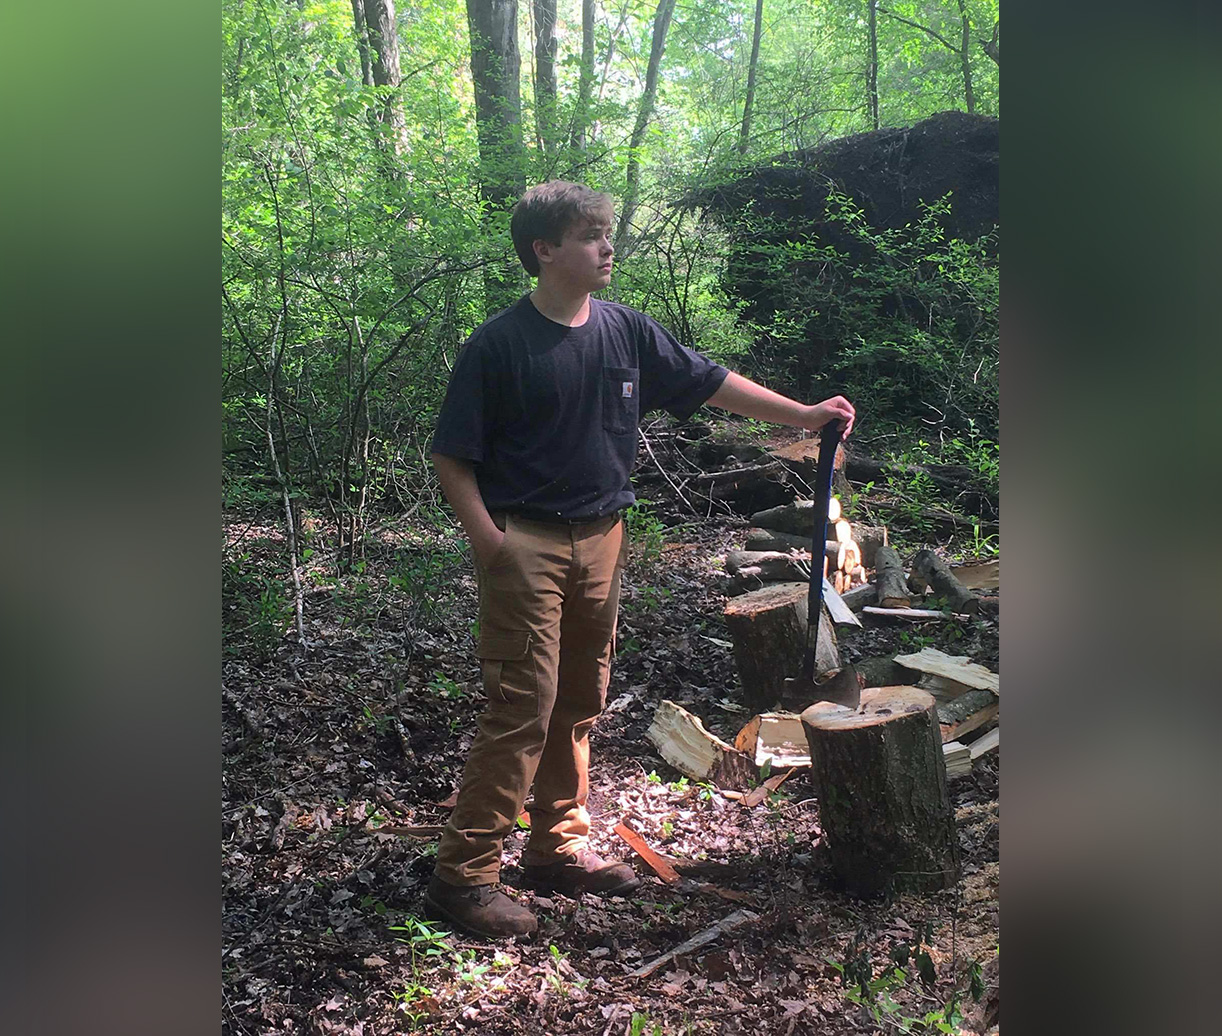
560	306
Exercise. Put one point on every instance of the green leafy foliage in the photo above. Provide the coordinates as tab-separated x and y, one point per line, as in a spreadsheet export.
904	321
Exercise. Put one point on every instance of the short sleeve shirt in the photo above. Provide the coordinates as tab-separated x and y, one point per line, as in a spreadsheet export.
548	414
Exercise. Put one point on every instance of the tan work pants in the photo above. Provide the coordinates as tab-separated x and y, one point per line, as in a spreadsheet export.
547	611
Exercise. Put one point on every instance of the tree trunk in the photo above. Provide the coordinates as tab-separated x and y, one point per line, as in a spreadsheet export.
384	43
880	778
362	41
872	67
661	24
768	627
585	85
744	138
495	67
545	76
990	47
965	59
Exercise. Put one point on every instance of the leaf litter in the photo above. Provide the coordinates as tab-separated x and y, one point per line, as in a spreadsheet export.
370	730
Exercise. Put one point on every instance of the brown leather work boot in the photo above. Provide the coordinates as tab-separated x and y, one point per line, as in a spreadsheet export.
481	909
584	871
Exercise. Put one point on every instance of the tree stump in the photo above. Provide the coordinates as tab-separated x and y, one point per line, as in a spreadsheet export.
880	779
768	627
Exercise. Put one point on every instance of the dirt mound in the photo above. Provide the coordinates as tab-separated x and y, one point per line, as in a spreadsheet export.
887	172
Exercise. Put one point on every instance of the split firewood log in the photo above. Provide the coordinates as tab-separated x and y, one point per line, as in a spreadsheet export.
833	510
966	713
834	551
852	557
682	741
892	586
859	575
840	530
930	570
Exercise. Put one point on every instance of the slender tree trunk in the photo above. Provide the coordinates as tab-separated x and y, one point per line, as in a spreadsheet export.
495	66
991	47
545	75
745	137
384	43
585	85
362	41
661	23
965	58
872	67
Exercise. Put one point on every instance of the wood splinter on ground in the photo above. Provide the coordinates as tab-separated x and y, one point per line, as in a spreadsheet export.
659	866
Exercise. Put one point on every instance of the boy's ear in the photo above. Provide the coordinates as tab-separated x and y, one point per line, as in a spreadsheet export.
543	250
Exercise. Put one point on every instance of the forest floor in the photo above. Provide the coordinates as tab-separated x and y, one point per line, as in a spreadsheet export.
322	922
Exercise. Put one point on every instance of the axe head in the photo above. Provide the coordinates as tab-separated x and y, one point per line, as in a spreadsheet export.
843	687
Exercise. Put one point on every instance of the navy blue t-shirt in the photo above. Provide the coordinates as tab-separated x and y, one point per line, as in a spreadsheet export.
549	413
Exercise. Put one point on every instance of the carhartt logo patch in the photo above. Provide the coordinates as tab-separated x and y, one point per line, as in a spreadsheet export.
627	390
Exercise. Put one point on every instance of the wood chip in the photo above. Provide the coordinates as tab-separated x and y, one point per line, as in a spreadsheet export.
959	668
639	846
757	795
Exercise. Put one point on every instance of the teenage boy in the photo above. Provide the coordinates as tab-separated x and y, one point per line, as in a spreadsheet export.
534	446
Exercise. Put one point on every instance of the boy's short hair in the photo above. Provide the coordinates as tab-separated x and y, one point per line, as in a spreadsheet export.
547	211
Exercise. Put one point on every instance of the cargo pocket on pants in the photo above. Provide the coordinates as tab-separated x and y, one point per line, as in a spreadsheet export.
496	648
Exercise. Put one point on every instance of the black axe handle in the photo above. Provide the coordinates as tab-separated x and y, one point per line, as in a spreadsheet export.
829	440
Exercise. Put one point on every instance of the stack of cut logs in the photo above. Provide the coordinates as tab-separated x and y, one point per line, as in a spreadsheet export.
778	549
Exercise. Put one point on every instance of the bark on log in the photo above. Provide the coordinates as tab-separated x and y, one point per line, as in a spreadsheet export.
869	538
768	627
860	596
953	480
884	671
930	570
796	518
966	713
892	588
880	778
770	539
773	566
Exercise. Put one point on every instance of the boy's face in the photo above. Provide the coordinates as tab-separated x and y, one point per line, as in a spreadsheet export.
582	260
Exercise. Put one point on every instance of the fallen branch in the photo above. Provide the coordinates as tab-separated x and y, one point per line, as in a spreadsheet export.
911	613
726	924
